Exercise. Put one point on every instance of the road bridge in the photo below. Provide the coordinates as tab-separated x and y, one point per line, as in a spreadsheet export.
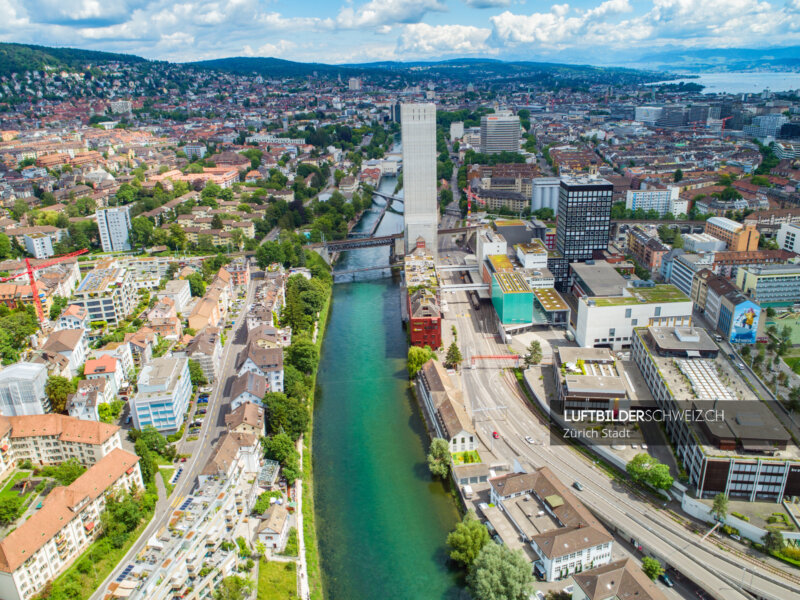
371	242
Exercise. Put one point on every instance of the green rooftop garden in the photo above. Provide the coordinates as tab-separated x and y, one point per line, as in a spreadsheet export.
655	295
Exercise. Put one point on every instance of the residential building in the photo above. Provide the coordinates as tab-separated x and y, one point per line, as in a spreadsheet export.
584	218
421	214
273	531
22	390
69	343
163	319
247	418
445	408
84	402
66	524
206	349
108	368
267	362
500	133
788	237
165	388
424	318
662	201
123	352
232	450
545	192
52	439
74	316
564	535
702	242
737	237
770	285
619	580
39	244
114	225
108	293
744	451
489	243
684	267
765	126
646	248
179	291
248	387
239	270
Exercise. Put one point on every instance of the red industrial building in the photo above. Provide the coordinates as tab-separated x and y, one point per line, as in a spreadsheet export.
424	318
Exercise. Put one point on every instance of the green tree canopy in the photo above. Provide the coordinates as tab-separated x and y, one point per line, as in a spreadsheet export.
720	507
234	587
651	567
499	573
453	358
57	389
534	356
439	458
467	539
417	357
303	355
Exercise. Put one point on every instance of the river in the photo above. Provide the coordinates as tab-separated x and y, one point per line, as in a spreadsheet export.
381	520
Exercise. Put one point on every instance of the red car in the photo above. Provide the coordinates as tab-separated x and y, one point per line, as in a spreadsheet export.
495	435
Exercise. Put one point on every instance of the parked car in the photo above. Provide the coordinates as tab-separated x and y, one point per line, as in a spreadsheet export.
577	485
666	580
529	439
495	435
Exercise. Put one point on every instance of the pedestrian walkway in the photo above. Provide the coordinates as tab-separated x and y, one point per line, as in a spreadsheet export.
302	568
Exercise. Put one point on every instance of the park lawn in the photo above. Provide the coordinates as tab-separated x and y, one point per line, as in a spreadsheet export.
166	475
102	563
277	580
160	460
8	491
793	362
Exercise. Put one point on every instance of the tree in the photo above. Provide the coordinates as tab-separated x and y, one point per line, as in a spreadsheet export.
639	466
500	573
196	373
58	305
534	356
659	477
416	358
770	312
439	458
643	468
651	567
197	285
453	358
773	540
216	222
678	241
468	539
279	447
289	415
720	507
142	229
57	389
303	355
234	587
10	509
177	237
269	252
677	175
5	246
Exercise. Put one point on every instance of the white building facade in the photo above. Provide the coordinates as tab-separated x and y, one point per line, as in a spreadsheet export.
421	214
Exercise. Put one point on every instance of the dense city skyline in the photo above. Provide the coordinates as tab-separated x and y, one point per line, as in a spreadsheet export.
617	31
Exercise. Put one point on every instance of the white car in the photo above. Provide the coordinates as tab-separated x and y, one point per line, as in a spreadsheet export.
567	590
644	446
540	595
634	446
529	439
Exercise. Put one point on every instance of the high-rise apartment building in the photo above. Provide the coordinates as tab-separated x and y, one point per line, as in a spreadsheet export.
499	133
115	228
584	217
421	216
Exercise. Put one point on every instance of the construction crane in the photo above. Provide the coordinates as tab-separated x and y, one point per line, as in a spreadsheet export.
470	195
29	271
723	121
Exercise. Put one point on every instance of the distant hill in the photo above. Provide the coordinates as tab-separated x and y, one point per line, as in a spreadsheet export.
277	67
15	58
726	59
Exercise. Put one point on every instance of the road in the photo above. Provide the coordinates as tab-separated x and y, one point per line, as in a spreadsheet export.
213	426
507	412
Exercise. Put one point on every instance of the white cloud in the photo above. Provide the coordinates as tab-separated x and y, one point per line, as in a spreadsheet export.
490	3
424	39
387	12
177	39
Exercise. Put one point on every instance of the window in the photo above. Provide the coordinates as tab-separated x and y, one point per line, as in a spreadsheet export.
628	313
658	311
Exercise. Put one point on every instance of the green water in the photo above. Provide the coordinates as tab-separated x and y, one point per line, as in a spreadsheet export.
381	519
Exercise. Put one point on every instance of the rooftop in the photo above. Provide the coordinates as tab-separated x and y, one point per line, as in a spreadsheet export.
658	294
512	283
550	299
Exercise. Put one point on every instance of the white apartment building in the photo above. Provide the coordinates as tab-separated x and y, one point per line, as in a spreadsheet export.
66	524
39	244
73	317
180	292
22	389
114	225
165	388
124	355
52	439
108	293
663	201
421	214
105	367
69	343
489	243
789	237
267	362
562	532
500	133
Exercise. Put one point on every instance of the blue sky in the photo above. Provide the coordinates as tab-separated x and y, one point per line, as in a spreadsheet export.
339	31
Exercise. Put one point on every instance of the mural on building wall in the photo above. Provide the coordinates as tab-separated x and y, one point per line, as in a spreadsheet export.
745	323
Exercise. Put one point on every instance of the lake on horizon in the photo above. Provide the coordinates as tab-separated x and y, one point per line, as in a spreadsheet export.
745	83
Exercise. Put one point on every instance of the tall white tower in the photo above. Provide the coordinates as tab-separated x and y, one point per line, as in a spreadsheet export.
418	123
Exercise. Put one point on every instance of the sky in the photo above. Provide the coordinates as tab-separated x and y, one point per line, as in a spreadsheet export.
347	31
